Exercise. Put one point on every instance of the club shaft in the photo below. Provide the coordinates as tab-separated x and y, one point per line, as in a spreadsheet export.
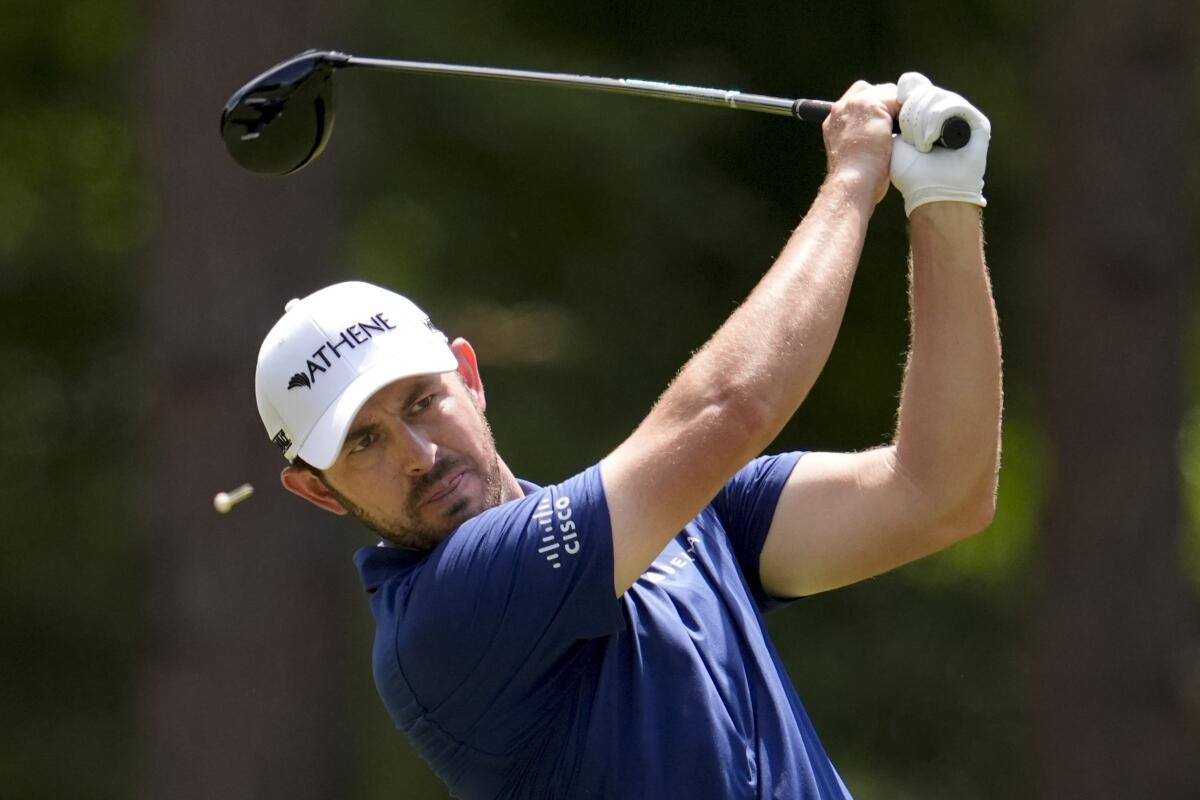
728	98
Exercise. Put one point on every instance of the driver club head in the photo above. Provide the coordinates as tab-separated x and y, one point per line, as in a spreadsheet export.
281	120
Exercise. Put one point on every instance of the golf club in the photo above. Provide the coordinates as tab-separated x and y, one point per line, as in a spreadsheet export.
280	121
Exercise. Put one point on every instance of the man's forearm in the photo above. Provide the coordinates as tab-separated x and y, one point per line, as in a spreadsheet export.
948	434
769	353
734	395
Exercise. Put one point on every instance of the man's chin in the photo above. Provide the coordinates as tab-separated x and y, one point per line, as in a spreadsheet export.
435	525
419	534
432	530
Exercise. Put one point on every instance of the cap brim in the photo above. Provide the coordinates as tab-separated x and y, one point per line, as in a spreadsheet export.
324	444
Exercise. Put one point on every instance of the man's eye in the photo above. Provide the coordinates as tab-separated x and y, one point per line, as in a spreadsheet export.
366	441
423	403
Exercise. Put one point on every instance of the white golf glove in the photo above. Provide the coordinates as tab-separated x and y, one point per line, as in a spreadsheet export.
924	173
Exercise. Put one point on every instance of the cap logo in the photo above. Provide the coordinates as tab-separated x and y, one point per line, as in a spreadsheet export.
281	441
357	334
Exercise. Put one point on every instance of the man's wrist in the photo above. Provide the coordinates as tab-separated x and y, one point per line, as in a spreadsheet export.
946	214
851	185
945	227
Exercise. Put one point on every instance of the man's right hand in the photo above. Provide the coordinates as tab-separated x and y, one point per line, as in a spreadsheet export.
858	135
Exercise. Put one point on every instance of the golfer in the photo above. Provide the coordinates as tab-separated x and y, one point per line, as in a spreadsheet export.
602	637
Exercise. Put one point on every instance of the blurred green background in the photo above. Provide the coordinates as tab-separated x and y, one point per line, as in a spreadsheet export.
587	244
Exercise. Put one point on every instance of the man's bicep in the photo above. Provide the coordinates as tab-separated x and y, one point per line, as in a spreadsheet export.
657	481
843	517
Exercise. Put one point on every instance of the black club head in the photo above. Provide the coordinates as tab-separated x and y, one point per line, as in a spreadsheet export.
281	120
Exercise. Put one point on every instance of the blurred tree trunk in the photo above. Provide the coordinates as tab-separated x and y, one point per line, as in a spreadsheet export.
243	683
1114	619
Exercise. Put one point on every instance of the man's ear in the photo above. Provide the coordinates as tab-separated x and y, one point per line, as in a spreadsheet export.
468	368
306	484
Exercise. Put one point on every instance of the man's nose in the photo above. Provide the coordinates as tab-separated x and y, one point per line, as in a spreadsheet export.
417	450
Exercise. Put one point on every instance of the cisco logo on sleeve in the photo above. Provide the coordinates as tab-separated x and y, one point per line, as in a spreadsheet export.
559	537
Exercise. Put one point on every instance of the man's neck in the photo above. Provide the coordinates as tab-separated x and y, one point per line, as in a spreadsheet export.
510	489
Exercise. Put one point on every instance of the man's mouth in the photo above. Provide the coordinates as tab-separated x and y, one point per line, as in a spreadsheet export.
445	488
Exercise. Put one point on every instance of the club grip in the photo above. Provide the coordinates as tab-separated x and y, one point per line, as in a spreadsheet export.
956	131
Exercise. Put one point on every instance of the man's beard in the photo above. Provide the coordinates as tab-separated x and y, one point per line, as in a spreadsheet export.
412	532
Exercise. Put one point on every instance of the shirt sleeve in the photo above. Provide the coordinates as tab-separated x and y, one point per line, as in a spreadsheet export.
507	594
746	507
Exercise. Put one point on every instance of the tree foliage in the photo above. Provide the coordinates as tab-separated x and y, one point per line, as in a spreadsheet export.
587	244
74	221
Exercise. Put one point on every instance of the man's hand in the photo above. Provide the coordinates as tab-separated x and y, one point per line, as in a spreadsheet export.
924	173
858	135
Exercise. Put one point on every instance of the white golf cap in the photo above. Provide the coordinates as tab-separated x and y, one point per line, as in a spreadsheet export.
329	353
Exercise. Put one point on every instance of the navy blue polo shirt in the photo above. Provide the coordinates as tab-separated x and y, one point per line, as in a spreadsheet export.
516	673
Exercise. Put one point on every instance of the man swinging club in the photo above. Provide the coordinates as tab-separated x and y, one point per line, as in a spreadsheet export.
602	637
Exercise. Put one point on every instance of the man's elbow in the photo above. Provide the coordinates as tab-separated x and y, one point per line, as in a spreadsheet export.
739	415
969	517
949	511
982	513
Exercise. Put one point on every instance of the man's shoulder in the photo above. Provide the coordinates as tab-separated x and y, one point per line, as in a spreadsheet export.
497	603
